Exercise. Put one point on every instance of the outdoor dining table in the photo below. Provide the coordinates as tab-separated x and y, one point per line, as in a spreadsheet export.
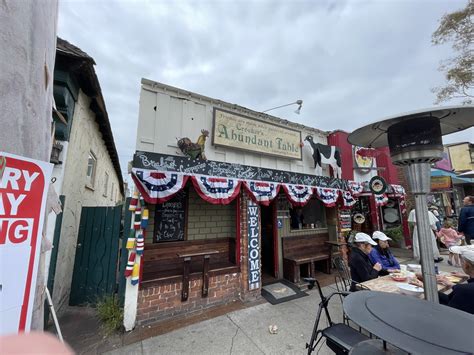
411	324
387	284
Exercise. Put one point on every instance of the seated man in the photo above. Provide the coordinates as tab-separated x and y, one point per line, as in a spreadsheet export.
462	296
381	253
362	268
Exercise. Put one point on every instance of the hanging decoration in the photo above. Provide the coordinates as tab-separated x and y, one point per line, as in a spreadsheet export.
158	187
262	192
136	239
216	190
381	200
130	263
194	150
298	195
348	199
356	188
398	190
377	185
327	196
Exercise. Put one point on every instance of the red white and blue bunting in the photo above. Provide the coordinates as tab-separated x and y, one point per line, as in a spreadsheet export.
398	190
356	188
298	195
348	199
328	196
262	192
216	190
158	187
381	200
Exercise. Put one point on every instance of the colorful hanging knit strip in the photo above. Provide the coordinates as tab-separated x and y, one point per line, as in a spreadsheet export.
133	202
140	243
138	219
130	263
131	240
135	274
144	222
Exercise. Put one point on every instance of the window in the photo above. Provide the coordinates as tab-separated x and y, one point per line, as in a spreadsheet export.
106	184
91	169
311	216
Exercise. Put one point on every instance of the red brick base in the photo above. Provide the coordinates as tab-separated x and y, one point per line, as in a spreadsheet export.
163	302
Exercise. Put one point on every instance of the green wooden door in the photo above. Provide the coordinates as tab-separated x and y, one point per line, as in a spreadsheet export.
95	266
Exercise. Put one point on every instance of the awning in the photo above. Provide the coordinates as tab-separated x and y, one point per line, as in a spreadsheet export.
456	179
160	177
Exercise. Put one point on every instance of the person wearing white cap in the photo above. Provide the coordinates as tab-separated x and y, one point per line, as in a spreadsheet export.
462	296
381	253
362	268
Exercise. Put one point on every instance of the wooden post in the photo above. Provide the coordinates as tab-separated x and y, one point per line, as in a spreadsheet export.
205	276
186	267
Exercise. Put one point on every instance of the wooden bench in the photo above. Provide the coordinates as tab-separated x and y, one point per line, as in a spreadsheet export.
164	262
305	250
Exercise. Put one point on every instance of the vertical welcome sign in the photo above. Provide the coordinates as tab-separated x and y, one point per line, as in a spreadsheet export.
23	190
253	247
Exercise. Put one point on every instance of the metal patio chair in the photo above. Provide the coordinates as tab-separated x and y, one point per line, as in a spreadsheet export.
340	337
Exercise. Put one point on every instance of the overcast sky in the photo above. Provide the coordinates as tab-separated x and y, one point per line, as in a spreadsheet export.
351	62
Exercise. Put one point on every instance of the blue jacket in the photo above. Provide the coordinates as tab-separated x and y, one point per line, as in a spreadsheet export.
461	298
466	220
386	259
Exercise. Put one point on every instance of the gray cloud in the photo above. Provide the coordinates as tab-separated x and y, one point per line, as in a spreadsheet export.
351	62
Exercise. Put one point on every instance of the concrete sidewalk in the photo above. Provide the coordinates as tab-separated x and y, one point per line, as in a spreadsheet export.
245	331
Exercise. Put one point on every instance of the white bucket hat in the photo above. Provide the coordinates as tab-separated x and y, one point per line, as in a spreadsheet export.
380	236
363	238
466	251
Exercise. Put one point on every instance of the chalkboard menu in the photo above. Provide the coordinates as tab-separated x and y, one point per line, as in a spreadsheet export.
170	218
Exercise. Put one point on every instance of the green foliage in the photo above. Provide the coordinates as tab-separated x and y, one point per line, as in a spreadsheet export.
110	313
457	28
396	234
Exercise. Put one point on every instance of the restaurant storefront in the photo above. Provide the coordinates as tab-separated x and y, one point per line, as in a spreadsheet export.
228	213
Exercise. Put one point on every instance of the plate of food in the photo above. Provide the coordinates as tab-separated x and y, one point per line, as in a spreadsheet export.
410	290
453	279
398	276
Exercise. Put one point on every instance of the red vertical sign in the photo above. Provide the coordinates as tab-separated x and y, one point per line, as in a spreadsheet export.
23	191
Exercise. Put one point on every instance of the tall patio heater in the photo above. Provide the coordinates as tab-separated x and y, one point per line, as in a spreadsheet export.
415	142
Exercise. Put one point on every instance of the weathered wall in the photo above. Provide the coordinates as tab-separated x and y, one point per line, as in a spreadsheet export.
185	114
85	136
27	52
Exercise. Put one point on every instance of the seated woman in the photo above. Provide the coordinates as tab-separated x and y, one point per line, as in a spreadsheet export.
462	296
450	237
362	269
382	254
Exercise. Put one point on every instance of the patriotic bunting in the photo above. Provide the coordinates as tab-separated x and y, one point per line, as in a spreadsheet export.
356	188
216	190
327	196
158	187
298	195
262	192
398	190
348	199
381	200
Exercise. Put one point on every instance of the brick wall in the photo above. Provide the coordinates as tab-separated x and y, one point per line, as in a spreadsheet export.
164	302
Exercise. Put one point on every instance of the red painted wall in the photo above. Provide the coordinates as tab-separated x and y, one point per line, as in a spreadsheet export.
339	139
384	161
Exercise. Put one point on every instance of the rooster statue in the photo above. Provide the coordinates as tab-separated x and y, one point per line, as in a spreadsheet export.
194	150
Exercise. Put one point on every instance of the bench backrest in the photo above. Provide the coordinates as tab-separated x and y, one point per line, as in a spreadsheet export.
300	245
163	256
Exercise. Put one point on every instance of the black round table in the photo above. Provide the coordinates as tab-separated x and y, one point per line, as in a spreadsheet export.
414	325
